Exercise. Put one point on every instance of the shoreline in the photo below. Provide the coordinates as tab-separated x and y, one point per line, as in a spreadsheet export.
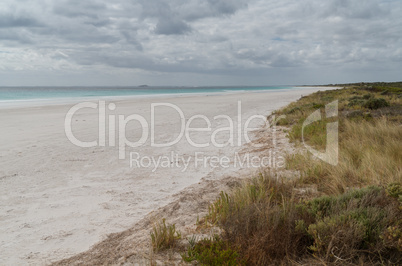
56	195
41	102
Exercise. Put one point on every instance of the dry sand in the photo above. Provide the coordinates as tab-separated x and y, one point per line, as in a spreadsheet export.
58	200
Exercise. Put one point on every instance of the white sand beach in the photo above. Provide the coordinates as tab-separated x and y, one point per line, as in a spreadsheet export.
58	199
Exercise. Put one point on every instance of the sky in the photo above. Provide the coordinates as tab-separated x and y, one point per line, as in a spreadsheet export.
199	42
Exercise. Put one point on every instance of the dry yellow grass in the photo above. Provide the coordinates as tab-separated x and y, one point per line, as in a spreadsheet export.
370	153
358	220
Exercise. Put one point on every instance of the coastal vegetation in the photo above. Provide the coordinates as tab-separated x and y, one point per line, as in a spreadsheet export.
164	236
344	214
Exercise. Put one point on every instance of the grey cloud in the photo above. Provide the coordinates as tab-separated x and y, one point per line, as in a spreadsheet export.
128	61
116	59
190	10
199	9
155	8
171	26
97	22
131	38
77	8
211	38
12	35
226	7
14	21
354	9
168	21
284	61
220	38
257	56
86	34
263	58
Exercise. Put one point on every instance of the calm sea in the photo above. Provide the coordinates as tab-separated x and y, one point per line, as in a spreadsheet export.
30	96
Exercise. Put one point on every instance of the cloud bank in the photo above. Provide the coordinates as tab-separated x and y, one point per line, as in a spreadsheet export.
199	42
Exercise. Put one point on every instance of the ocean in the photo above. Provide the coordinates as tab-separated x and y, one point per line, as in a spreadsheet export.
37	96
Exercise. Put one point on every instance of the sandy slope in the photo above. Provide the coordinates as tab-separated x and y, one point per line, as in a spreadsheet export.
58	199
133	246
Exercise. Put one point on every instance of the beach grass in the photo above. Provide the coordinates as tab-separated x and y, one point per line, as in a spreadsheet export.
369	139
344	214
164	235
273	226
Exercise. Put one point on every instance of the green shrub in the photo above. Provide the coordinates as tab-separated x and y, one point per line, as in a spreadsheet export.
339	233
318	105
267	226
212	252
164	236
394	190
261	219
376	103
282	122
367	96
392	237
293	110
352	224
356	102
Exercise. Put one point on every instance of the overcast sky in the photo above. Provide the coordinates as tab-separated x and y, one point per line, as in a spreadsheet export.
199	42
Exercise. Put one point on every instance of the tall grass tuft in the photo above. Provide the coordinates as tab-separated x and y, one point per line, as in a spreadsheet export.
260	220
164	236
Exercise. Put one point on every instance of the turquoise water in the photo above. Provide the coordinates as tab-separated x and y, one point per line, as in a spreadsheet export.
38	96
41	93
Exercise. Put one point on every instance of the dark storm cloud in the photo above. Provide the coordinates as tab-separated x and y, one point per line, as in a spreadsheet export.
205	37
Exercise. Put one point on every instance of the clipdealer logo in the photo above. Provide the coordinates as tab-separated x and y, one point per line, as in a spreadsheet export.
117	128
331	153
118	123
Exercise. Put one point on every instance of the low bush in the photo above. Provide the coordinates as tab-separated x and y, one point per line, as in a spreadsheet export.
395	190
318	105
354	224
356	102
212	252
376	103
267	225
260	221
164	236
